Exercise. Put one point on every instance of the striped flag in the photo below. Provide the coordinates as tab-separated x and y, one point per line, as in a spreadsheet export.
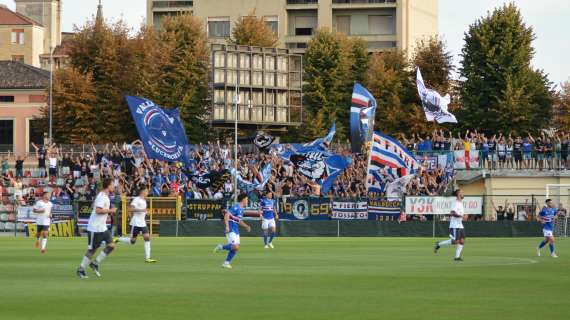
362	111
389	161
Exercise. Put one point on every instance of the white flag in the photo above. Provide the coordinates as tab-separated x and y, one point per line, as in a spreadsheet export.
397	188
435	106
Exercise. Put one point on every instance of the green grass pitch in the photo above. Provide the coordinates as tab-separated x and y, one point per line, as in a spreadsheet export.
302	278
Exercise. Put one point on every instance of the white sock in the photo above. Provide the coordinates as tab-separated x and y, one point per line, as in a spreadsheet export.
458	250
101	257
126	240
147	249
444	243
85	262
44	243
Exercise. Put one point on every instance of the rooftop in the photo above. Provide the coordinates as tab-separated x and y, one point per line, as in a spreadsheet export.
9	17
18	75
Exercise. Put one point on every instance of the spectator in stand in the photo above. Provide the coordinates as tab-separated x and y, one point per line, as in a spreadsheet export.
565	151
19	167
500	211
518	152
527	152
41	153
5	166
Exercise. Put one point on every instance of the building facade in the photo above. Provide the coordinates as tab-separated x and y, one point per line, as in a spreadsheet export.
383	24
267	80
48	14
21	38
22	95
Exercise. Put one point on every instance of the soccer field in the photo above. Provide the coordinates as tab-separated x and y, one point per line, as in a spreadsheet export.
302	278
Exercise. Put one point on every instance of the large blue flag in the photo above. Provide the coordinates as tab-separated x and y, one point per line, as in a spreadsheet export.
362	113
259	182
318	165
160	130
322	144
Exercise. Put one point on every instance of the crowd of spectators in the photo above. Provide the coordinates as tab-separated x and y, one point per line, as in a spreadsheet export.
547	151
76	175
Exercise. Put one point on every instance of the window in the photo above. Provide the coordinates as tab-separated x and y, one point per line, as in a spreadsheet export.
281	114
219	96
244	61
269	98
270	63
232	60
273	24
6	98
270	114
219	112
219	27
270	79
257	114
219	59
257	79
17	36
343	24
219	76
231	76
381	24
282	99
304	25
35	132
257	98
282	80
6	135
244	77
18	58
282	63
258	62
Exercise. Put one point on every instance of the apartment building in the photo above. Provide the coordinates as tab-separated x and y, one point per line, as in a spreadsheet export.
383	24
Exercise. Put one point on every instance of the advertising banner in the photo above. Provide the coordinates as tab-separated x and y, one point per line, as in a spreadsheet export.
63	228
349	210
200	209
441	205
384	209
305	209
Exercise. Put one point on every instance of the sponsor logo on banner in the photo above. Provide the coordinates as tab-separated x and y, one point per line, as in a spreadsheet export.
349	210
57	229
210	208
305	209
384	209
441	205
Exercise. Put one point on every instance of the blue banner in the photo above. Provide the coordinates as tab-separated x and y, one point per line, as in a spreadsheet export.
305	209
362	112
160	130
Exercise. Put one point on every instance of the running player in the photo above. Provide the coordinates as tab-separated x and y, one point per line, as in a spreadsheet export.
42	209
232	221
97	231
547	216
138	223
456	230
267	215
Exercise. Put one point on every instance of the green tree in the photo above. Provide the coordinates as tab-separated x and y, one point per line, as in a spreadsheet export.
184	74
253	31
332	63
435	62
74	100
562	107
390	81
501	91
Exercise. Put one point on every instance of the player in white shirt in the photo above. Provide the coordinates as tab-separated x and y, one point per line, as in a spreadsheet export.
456	230
42	209
138	223
97	231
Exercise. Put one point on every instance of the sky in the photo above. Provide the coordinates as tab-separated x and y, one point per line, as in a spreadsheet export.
550	20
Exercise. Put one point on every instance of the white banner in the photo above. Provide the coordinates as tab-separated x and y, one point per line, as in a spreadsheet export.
349	210
441	205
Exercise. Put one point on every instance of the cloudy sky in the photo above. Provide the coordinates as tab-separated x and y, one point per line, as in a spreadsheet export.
549	18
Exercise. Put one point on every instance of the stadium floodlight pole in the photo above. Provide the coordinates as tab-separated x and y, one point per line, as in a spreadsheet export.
50	94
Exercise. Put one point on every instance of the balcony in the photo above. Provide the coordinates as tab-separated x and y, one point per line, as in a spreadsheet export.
302	4
363	4
172	5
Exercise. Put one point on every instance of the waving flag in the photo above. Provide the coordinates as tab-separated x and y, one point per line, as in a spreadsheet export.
260	180
160	131
317	165
389	161
322	144
362	113
435	106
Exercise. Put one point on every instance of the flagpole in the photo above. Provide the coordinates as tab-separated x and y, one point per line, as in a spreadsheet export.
236	100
